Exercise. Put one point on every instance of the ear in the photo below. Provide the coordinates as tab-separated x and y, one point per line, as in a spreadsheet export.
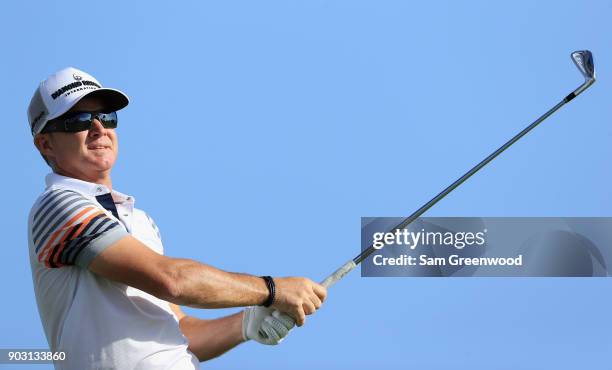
44	144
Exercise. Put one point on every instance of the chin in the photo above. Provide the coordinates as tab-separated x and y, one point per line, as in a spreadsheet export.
103	164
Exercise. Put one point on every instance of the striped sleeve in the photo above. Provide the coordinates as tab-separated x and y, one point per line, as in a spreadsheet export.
69	229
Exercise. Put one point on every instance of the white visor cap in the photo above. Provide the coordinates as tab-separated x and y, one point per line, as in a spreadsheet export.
62	90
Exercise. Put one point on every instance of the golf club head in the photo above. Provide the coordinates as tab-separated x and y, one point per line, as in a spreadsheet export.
583	59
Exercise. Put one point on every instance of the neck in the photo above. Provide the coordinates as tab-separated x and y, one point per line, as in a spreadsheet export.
102	178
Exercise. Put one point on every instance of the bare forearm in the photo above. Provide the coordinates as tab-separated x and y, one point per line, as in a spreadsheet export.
211	338
202	286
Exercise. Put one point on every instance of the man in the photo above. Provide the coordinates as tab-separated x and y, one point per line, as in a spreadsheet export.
106	294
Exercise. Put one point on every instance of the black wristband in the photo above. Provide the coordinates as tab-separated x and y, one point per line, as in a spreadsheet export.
271	291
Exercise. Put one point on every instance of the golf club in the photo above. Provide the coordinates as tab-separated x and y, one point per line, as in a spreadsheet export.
583	60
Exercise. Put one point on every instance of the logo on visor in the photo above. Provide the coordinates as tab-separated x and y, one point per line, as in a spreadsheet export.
77	77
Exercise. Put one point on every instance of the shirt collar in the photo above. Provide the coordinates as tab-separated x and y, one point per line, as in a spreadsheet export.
84	187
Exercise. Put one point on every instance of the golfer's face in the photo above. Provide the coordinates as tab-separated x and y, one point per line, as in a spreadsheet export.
85	153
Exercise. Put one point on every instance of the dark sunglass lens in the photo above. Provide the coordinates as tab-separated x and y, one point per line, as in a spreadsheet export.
78	122
109	120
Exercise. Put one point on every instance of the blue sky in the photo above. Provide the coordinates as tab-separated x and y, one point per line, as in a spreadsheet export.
259	133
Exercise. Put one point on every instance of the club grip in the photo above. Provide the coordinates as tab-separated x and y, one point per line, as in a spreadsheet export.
339	274
329	281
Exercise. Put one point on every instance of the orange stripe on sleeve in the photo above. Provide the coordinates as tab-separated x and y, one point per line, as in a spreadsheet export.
64	242
59	230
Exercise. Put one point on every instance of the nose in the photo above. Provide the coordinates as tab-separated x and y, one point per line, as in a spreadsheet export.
97	129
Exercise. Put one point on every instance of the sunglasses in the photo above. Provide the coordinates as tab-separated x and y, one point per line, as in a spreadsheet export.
80	122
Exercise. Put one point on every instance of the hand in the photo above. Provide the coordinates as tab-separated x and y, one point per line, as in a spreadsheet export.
265	325
298	297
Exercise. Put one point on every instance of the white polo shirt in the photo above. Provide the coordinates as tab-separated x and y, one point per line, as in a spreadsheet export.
98	323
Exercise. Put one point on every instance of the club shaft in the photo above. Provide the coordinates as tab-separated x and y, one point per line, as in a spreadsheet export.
407	221
583	60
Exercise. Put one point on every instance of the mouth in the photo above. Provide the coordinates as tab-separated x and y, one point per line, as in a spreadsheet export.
98	147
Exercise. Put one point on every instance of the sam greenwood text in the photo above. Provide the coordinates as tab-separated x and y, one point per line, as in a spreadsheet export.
452	260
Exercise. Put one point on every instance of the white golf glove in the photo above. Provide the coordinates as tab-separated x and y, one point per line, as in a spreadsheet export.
265	325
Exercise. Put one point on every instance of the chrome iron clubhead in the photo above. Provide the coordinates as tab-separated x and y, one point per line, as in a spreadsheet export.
584	61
